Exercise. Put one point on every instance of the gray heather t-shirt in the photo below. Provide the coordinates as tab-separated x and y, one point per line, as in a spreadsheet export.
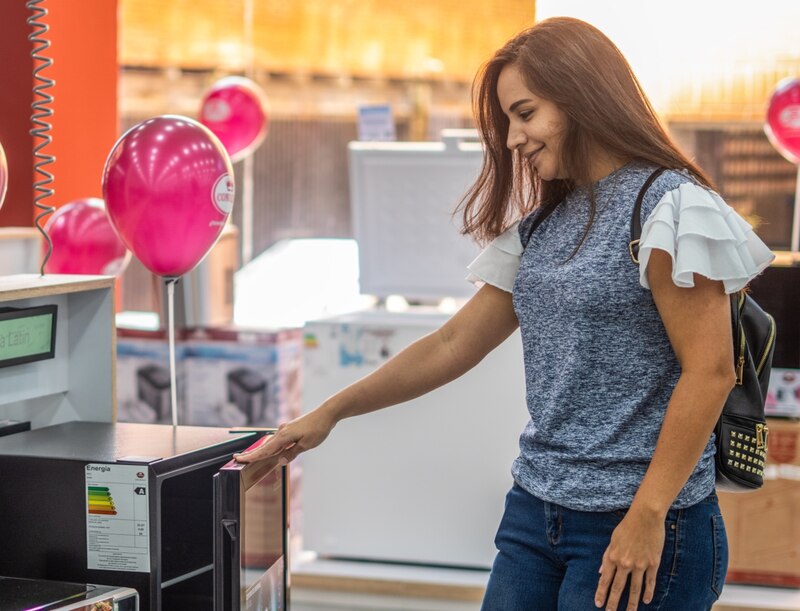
599	366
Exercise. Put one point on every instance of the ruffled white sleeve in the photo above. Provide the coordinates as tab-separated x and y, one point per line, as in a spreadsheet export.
703	235
498	262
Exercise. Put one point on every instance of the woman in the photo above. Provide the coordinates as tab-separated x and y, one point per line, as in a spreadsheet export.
627	367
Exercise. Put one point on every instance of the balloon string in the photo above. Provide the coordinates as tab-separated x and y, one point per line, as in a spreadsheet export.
247	210
171	282
41	110
248	169
795	247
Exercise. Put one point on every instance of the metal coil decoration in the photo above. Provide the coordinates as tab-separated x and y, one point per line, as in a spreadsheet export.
41	111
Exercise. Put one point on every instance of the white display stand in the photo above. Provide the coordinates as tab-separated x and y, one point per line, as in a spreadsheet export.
78	384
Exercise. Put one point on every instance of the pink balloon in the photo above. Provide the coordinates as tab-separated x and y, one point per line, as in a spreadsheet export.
168	186
783	119
84	241
235	110
3	175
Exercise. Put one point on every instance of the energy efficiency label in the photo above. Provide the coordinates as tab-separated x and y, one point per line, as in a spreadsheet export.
117	518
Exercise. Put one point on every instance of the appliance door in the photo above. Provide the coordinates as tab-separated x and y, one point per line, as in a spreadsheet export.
250	537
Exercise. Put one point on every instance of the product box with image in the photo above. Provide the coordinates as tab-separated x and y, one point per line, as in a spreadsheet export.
237	377
783	398
143	377
763	526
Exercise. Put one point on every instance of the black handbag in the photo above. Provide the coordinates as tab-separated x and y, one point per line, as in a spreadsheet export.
741	431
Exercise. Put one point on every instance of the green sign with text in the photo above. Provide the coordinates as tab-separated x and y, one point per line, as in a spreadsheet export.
27	334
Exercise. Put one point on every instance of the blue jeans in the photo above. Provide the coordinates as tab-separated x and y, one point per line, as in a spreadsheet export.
549	557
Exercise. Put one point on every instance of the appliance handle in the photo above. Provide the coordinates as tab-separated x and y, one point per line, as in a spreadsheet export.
229	559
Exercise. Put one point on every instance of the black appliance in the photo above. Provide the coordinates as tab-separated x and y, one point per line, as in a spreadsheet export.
38	595
777	291
124	504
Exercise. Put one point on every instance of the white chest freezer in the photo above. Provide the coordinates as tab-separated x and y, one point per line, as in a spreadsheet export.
402	199
421	482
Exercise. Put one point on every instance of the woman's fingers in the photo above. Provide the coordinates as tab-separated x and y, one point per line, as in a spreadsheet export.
635	592
650	586
269	446
293	437
607	570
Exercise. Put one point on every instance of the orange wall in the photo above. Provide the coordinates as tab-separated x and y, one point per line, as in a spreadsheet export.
84	50
85	126
15	112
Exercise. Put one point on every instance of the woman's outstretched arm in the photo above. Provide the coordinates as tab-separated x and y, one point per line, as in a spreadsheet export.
462	342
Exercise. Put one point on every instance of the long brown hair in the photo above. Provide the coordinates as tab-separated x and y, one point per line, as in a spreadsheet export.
574	65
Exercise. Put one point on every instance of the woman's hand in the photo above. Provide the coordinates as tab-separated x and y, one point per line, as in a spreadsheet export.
635	551
293	437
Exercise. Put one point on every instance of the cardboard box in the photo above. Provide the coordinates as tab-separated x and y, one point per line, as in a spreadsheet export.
143	377
764	526
225	376
783	397
237	377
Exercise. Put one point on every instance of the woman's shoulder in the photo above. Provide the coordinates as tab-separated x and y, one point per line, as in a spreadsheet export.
671	179
668	182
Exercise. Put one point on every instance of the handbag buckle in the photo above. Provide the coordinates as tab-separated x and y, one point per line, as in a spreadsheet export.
634	254
761	436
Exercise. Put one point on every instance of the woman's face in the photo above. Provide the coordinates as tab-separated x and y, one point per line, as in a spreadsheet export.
536	125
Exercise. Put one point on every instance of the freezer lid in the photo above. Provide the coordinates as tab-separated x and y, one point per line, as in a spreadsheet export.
402	198
250	537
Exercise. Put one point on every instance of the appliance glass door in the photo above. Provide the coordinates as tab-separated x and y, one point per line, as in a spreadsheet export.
18	594
250	556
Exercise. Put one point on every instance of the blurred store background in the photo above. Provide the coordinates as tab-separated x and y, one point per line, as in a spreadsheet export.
708	67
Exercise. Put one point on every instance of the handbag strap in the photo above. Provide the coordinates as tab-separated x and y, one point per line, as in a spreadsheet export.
540	217
636	217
